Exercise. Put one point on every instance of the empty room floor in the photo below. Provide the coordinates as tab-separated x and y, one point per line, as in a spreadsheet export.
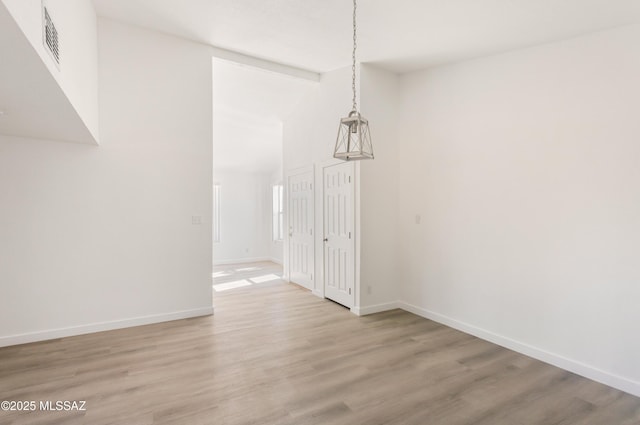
232	276
275	354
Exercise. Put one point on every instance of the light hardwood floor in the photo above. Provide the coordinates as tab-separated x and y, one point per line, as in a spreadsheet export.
275	354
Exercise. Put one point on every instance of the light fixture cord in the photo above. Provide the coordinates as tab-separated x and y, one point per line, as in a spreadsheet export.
353	67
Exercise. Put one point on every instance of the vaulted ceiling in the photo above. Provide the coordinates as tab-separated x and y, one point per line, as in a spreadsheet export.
315	35
249	105
401	35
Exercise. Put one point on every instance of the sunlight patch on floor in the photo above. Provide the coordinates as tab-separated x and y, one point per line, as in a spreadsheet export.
238	276
264	278
248	269
231	285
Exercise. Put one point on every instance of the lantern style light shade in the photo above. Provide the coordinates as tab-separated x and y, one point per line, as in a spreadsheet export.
354	139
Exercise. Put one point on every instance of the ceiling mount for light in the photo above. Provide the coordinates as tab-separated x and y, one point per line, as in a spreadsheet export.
354	138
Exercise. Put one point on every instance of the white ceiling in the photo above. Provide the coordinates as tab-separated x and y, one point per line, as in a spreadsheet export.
401	35
249	105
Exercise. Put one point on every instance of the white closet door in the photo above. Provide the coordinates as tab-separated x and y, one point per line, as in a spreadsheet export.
301	229
339	267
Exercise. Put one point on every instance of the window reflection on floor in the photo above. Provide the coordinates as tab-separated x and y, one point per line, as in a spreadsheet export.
229	277
230	285
264	278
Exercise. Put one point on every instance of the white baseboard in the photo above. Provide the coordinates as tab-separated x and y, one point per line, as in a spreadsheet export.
595	374
378	308
241	261
317	293
300	285
275	260
102	326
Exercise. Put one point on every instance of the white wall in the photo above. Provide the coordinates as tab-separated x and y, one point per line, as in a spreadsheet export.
309	135
101	237
380	286
310	131
77	75
309	139
245	217
524	168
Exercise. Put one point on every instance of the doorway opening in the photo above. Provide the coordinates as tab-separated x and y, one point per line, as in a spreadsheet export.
249	192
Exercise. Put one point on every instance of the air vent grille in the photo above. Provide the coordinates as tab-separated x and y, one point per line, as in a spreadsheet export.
51	40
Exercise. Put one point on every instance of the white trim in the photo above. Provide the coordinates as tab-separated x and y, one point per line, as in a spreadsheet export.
241	261
318	220
309	288
378	308
357	247
266	65
598	375
215	216
102	326
277	231
275	260
317	293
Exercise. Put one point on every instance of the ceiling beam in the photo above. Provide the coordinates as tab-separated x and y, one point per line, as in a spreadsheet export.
240	58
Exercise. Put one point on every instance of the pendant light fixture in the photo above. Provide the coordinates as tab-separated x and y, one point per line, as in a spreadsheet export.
354	139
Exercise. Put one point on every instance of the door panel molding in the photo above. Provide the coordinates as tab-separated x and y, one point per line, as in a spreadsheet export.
300	229
338	219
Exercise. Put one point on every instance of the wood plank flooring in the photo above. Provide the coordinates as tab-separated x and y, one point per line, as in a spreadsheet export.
275	354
